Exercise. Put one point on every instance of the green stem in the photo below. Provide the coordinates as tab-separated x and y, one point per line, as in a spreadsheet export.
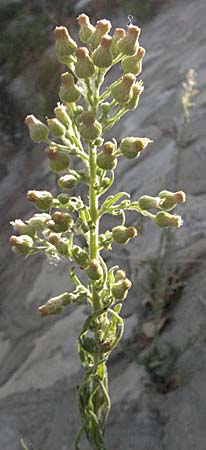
93	204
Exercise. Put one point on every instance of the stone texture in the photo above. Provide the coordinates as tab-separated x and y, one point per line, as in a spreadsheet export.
39	362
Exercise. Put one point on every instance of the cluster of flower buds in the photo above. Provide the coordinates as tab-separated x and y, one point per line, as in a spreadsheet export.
76	132
166	201
56	304
121	285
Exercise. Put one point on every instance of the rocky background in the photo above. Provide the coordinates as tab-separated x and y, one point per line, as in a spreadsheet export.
157	386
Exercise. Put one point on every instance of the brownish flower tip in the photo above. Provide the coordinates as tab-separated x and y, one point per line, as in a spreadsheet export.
43	311
61	33
31	196
180	196
103	26
53	239
82	20
51	152
108	148
141	52
120	275
106	41
13	240
126	284
82	52
129	79
88	118
137	89
30	120
134	31
67	79
57	216
131	232
119	33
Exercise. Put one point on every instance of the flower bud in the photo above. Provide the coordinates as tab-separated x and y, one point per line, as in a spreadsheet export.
133	64
43	199
59	244
68	92
119	33
102	56
80	256
62	115
170	199
95	270
146	202
137	89
68	181
106	159
37	130
38	221
102	27
21	245
164	219
90	129
56	127
120	289
23	228
65	46
86	28
122	235
122	91
128	45
120	275
105	107
55	304
63	220
131	147
63	199
59	159
84	67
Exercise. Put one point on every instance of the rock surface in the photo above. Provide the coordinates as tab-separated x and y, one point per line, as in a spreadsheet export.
39	361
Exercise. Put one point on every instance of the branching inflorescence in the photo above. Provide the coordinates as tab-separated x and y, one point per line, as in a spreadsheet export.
85	112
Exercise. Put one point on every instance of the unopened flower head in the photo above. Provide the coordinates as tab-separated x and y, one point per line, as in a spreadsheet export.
146	202
86	28
90	129
131	147
84	67
122	234
119	33
102	27
164	219
170	199
133	64
137	89
129	44
120	288
94	270
65	46
37	130
56	127
68	181
23	228
68	92
102	56
122	91
21	245
62	115
42	199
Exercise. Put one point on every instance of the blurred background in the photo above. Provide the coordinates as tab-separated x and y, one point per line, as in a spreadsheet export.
157	383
